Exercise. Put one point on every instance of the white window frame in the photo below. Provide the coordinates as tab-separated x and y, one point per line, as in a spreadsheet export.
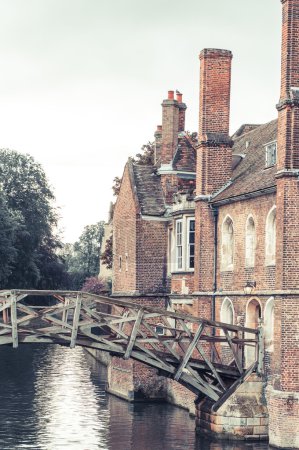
250	243
181	258
227	256
270	154
188	231
270	238
179	248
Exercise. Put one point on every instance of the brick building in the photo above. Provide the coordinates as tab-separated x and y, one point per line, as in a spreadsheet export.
213	228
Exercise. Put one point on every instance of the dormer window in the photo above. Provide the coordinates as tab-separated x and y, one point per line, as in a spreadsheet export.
271	152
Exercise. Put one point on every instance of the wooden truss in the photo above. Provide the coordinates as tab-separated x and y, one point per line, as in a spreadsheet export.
183	347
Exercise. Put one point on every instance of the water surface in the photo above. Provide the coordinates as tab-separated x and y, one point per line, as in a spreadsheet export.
53	398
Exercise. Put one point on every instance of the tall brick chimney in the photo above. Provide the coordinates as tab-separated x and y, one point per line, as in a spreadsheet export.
182	110
214	156
283	403
170	126
288	134
158	144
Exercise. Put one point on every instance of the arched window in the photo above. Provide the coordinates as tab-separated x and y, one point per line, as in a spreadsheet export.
253	314
227	311
227	248
270	243
269	324
250	242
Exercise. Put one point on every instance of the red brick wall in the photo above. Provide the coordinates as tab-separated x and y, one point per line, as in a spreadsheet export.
215	77
290	47
287	245
283	419
204	248
124	238
151	256
264	275
214	161
142	245
170	126
177	282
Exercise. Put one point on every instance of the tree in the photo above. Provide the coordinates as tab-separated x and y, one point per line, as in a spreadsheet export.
9	225
30	201
83	257
116	185
94	285
147	155
145	158
107	255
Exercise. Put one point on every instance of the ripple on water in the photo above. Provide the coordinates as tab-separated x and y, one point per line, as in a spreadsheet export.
53	398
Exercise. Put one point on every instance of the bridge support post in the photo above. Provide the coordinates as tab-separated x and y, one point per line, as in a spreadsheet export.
243	416
14	321
76	321
261	349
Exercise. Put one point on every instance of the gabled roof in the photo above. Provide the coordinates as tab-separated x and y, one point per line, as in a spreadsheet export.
185	155
250	175
148	190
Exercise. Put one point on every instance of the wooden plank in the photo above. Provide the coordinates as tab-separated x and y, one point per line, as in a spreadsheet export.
165	343
122	303
207	361
27	309
260	349
5	305
49	318
233	387
154	362
65	310
189	351
201	388
235	353
76	321
14	321
202	380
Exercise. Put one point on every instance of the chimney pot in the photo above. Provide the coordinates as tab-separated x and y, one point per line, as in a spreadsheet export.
170	95
179	97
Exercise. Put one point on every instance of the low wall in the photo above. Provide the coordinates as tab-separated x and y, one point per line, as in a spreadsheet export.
244	416
283	418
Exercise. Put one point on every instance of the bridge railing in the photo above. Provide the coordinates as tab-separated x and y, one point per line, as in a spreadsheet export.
206	356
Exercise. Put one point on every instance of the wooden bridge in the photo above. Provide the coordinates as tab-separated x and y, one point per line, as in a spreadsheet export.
205	356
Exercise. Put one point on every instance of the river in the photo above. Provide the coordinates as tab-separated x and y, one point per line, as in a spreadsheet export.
53	398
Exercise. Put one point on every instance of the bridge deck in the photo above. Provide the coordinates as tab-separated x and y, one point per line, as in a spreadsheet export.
205	356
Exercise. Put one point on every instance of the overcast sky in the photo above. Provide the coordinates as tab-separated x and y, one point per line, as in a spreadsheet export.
81	82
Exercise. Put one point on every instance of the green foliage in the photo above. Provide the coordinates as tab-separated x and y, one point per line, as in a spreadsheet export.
28	198
116	186
146	157
9	225
107	255
94	285
82	258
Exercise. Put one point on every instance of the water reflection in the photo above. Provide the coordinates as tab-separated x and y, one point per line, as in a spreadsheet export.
53	398
66	403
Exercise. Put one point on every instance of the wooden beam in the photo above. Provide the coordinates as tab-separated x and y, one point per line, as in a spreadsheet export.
76	321
260	350
14	321
235	353
189	351
233	387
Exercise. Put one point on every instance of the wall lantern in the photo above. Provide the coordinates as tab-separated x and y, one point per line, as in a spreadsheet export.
249	287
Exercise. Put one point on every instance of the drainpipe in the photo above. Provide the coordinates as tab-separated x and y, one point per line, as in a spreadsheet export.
215	220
